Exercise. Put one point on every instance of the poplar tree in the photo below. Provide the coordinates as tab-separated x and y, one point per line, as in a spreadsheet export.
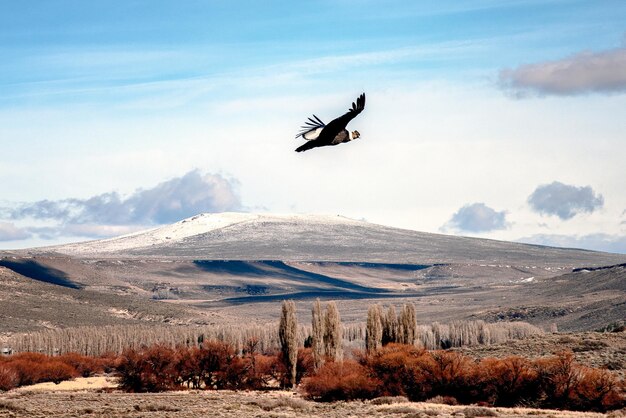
408	324
317	334
390	326
287	334
333	334
374	329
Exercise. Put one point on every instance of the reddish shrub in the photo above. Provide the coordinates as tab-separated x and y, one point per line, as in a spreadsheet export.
558	378
149	370
85	366
401	367
258	371
305	364
345	380
107	361
507	382
9	378
56	371
263	370
30	357
214	358
597	390
565	384
45	369
28	371
451	374
186	366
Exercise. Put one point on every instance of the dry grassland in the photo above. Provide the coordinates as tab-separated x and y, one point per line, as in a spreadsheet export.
58	404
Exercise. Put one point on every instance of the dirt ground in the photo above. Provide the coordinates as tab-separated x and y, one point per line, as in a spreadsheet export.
98	403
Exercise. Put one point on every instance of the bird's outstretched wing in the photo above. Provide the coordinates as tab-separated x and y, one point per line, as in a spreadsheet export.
311	128
341	122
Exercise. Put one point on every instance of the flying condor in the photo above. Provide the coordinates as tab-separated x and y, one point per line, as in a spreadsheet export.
319	134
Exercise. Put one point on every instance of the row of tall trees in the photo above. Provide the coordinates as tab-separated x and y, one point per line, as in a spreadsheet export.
326	335
384	327
325	339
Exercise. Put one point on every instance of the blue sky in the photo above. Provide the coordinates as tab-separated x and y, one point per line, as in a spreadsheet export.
476	110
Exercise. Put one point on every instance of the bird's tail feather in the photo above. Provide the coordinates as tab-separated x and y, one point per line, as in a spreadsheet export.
306	146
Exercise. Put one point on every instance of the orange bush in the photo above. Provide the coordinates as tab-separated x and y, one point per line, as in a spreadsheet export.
565	384
148	370
449	373
186	366
31	368
56	371
28	371
598	390
558	379
345	380
29	356
213	359
507	382
400	366
556	382
258	371
85	366
305	365
9	378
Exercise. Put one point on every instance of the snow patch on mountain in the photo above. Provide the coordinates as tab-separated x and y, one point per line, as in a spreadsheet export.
196	225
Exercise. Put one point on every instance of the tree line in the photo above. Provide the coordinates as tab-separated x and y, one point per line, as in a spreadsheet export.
382	326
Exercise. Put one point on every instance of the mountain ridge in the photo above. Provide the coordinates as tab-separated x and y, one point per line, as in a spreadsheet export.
247	236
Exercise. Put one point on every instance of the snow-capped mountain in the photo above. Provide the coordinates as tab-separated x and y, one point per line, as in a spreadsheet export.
247	236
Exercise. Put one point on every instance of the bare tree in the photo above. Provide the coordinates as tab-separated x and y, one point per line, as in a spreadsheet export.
408	324
288	333
374	329
333	334
317	334
390	326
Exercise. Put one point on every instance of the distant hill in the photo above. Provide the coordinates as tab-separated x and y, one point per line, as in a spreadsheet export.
245	236
239	266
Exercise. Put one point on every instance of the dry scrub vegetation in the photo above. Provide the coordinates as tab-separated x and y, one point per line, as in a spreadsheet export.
396	370
390	371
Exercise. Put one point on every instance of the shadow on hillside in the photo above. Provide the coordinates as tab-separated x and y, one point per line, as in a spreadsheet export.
280	270
39	272
330	295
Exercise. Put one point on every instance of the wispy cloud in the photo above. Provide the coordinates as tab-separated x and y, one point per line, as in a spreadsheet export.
477	217
74	76
585	72
110	213
9	232
598	242
564	201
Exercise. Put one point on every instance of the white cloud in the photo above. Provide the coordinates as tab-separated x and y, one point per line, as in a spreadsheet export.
477	217
9	232
111	214
585	72
563	200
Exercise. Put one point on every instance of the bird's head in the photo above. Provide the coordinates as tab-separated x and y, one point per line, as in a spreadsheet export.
355	134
